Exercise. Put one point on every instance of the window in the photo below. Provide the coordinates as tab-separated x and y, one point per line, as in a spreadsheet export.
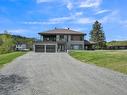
49	38
76	38
61	37
81	38
76	46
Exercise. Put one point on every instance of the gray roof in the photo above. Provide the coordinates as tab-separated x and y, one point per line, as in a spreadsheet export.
61	31
86	42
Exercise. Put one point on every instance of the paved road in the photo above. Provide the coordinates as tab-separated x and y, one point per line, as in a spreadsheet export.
58	74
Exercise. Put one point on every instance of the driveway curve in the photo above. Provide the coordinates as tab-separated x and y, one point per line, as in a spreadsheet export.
58	74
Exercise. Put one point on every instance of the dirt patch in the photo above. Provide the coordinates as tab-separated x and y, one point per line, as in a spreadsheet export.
10	84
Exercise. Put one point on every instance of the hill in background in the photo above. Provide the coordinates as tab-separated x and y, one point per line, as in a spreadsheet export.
117	43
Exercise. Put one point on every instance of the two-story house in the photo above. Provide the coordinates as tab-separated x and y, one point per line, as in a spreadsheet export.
60	40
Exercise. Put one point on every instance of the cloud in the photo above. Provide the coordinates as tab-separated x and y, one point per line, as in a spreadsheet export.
32	22
50	21
79	28
79	13
76	18
73	4
123	23
84	20
90	3
61	19
57	20
112	17
42	1
102	11
69	5
17	31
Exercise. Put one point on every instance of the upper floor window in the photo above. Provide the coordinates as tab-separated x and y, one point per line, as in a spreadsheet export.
77	38
49	38
61	37
81	38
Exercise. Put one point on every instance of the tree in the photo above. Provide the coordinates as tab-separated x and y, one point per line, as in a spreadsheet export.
7	44
1	41
97	35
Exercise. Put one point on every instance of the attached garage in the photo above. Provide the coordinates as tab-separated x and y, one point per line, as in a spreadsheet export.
45	47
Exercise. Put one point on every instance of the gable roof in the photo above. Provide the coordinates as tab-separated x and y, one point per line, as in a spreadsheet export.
61	31
86	42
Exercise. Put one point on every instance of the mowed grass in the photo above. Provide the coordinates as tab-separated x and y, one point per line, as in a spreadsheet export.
6	58
115	60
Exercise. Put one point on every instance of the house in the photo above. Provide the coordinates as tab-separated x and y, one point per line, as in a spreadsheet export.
117	47
21	47
60	40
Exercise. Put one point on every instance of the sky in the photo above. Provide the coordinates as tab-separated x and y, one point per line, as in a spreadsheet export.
29	17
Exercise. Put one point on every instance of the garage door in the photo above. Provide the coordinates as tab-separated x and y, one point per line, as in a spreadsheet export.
50	48
39	48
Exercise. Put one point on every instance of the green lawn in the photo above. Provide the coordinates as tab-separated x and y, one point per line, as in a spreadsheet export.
115	60
6	58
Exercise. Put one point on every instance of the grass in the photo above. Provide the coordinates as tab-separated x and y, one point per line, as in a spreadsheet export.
6	58
115	60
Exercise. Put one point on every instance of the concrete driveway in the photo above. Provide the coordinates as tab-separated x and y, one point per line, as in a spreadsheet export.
58	74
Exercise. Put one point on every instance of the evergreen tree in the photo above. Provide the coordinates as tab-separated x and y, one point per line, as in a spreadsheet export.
97	35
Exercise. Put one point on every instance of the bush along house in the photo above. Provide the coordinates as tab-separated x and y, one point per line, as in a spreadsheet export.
60	40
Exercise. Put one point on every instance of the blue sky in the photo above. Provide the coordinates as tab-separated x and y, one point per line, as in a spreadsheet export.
28	17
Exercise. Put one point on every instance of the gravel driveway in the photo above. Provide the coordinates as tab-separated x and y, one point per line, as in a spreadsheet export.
58	74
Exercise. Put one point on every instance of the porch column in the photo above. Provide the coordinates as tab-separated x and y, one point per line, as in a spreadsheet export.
56	48
83	47
57	37
34	47
45	48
